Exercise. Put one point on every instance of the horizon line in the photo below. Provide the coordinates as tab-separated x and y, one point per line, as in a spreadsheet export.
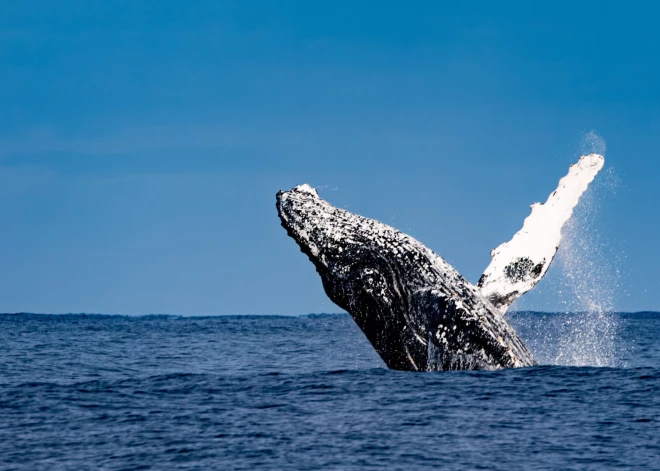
309	314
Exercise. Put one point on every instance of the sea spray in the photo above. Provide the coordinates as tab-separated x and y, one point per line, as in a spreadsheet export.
592	143
589	286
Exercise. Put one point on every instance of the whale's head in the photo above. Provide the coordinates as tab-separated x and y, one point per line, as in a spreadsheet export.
361	261
348	250
355	252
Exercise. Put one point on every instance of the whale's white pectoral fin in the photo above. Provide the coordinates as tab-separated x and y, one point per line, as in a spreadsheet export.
519	264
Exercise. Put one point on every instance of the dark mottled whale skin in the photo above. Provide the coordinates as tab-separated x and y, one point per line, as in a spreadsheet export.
415	309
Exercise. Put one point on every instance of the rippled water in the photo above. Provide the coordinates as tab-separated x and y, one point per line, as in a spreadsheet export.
114	392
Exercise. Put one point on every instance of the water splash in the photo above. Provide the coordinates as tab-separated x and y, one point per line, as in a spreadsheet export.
590	280
592	143
584	281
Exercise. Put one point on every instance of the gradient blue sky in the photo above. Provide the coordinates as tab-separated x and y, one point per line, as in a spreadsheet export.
142	143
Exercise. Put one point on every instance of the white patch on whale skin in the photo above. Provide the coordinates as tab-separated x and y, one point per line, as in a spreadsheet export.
518	265
305	188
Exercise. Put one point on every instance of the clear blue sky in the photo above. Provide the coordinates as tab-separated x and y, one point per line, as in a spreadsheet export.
142	143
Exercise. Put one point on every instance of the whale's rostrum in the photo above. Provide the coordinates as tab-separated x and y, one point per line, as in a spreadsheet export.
417	311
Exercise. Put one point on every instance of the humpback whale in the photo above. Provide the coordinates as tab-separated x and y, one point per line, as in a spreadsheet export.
417	311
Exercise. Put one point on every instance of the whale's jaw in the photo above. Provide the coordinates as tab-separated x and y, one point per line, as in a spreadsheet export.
415	309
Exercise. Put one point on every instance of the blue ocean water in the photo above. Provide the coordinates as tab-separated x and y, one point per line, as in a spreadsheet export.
267	392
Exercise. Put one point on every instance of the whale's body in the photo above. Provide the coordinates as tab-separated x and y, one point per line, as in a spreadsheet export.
417	311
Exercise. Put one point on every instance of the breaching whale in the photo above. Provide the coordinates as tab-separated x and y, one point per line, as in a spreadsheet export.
417	311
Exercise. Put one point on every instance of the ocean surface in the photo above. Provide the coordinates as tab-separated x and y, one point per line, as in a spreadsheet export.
274	392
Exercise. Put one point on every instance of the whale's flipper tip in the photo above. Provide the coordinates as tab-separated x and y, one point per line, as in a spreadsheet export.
518	265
